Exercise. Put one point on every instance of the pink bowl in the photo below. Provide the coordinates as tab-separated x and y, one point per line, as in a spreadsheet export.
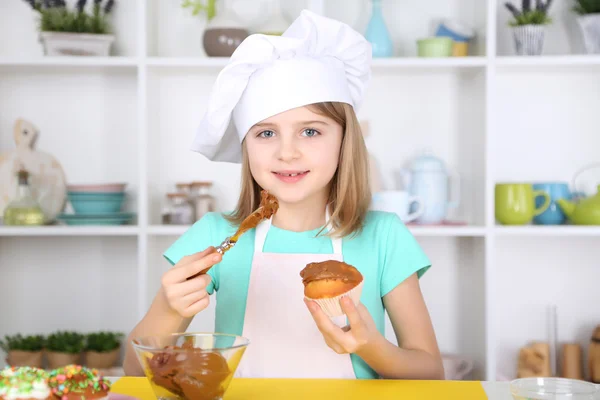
98	188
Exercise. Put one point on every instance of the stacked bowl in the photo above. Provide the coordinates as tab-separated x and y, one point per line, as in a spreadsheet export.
96	205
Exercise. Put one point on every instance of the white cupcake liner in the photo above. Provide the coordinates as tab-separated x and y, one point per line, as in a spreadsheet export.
332	307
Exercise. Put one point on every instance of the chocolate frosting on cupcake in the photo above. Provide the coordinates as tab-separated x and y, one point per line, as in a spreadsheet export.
330	269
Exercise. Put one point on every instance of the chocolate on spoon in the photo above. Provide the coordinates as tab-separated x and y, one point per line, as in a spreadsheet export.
267	208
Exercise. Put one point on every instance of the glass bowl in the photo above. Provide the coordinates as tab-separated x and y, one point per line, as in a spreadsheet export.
553	388
196	366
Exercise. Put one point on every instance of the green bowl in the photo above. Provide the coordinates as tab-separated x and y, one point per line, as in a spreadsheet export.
435	47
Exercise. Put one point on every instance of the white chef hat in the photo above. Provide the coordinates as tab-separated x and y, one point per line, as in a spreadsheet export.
317	59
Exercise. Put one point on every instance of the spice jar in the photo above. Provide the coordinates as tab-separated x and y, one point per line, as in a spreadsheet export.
201	197
183	187
181	211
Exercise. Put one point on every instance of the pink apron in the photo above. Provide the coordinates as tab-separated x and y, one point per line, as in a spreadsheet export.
284	339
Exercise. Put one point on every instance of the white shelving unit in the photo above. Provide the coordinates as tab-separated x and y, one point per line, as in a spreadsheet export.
131	117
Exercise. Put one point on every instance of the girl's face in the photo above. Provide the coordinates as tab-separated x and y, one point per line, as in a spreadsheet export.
294	155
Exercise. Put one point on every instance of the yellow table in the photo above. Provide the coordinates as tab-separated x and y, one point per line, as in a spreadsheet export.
292	389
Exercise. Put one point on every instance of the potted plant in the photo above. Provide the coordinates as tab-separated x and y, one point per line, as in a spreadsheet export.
102	349
588	19
224	32
64	348
529	26
23	351
65	31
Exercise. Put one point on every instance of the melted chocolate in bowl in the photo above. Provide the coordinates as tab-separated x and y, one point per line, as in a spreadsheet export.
190	366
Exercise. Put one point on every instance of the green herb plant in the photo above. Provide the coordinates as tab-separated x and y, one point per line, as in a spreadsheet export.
528	15
55	16
583	7
65	342
33	343
103	342
197	6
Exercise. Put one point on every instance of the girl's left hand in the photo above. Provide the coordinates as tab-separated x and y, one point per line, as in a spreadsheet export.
351	339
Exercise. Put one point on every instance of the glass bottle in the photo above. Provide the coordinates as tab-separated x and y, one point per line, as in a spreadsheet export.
377	33
23	209
202	199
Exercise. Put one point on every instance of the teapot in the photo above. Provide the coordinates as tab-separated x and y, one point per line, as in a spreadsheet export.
429	180
584	212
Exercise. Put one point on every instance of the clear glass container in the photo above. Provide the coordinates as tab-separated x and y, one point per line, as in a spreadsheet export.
553	388
207	360
23	209
203	201
180	211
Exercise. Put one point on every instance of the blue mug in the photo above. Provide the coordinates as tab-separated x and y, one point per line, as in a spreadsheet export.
553	214
455	30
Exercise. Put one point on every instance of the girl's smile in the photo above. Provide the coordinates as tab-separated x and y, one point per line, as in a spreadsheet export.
290	176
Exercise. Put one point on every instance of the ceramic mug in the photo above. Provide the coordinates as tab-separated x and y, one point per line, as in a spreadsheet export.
398	202
554	214
515	203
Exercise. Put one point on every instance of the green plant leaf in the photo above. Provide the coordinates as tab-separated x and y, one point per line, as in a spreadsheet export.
583	7
103	342
23	343
62	19
66	342
197	6
533	17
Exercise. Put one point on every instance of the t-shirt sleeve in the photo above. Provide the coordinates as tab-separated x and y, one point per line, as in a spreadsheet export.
403	256
195	240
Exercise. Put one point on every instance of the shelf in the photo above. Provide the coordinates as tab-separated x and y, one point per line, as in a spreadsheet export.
448	231
394	62
566	60
556	230
456	231
69	231
70	61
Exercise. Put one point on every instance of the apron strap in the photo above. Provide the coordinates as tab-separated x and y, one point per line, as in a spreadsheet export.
262	229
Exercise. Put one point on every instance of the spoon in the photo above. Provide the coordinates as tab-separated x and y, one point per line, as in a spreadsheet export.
267	208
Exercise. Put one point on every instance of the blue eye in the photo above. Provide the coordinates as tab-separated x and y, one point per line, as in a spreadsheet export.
310	132
266	134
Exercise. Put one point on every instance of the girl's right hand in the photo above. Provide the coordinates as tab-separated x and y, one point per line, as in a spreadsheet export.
188	296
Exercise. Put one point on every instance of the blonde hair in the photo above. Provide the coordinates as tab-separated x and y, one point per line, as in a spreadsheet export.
350	192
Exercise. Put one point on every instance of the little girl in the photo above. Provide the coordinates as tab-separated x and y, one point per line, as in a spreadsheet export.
284	107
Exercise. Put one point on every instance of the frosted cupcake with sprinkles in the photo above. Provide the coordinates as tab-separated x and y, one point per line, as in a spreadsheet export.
75	382
24	383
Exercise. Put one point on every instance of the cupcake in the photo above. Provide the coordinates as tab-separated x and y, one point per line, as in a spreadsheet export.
24	383
328	281
75	382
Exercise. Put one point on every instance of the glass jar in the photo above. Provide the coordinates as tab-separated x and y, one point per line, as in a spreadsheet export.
23	209
184	187
203	201
181	211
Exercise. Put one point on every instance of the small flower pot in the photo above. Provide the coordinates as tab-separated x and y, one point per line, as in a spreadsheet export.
76	44
98	360
529	39
589	25
19	358
57	360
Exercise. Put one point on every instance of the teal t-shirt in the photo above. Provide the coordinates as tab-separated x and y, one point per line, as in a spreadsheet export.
385	252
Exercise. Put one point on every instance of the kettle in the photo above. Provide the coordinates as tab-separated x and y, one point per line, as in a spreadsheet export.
428	179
